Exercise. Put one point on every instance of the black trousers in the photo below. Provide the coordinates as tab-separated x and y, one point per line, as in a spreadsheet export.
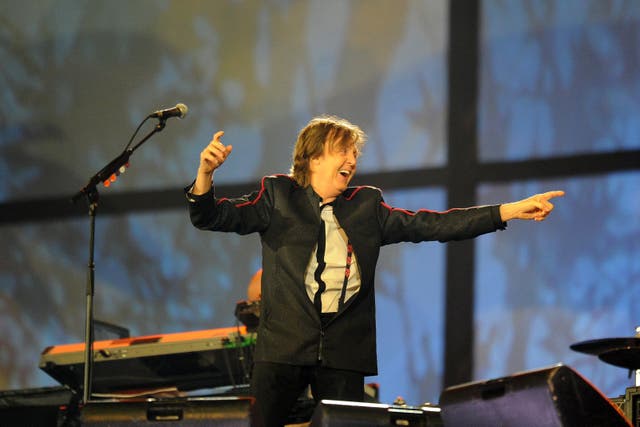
277	387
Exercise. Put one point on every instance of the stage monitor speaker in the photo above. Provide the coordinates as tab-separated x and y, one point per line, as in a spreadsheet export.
549	397
183	412
336	413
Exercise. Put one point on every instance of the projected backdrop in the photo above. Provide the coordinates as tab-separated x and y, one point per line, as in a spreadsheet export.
77	79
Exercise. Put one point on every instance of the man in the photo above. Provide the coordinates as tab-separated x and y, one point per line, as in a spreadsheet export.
320	244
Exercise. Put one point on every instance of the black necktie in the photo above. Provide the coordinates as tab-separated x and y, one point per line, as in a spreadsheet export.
317	275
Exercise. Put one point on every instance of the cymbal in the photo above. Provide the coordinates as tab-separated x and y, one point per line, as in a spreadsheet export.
622	352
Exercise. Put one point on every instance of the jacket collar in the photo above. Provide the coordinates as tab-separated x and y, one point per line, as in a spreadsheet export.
316	200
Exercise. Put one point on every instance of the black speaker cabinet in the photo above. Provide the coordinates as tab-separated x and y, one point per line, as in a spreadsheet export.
184	412
336	413
29	416
35	407
554	397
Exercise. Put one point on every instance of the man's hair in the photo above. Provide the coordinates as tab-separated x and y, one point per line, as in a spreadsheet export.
337	131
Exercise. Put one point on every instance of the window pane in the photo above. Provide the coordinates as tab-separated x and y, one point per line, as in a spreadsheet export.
541	287
558	78
410	309
154	273
81	77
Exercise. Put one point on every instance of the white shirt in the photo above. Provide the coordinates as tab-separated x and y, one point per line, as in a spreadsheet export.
335	258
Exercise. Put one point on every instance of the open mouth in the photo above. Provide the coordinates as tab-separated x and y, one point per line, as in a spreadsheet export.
345	173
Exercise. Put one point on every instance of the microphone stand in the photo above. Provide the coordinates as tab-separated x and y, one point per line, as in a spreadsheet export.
90	191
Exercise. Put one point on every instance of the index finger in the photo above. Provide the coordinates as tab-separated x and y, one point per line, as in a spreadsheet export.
552	194
218	135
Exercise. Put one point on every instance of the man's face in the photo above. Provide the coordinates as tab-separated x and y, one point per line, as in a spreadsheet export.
332	171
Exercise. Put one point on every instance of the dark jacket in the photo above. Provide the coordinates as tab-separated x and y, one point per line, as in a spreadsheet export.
287	217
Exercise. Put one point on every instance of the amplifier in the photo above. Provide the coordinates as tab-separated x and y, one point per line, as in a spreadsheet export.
34	407
184	412
629	404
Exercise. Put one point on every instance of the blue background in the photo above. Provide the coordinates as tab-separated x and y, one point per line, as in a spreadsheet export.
557	78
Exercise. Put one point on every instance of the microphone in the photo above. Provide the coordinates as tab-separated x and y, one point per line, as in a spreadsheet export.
180	110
